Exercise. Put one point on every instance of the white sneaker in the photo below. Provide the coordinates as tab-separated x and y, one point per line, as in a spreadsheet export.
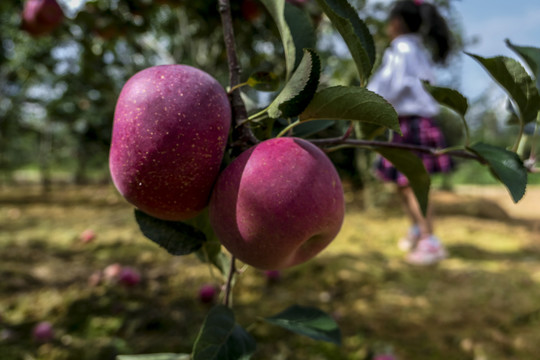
408	242
428	251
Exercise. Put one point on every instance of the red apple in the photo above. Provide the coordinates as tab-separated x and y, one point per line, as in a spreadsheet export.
129	277
251	10
112	272
170	130
43	332
87	236
41	17
278	204
207	294
272	276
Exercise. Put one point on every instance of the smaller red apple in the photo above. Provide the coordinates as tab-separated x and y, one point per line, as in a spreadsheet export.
250	10
41	17
87	236
43	332
272	276
129	277
112	272
207	294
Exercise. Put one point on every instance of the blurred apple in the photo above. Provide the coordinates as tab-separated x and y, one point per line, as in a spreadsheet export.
41	17
129	277
272	276
207	294
43	332
251	10
112	272
87	236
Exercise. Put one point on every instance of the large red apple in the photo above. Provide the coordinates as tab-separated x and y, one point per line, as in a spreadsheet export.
41	17
278	204
170	130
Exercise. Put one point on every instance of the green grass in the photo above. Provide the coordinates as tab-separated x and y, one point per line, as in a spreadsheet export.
482	302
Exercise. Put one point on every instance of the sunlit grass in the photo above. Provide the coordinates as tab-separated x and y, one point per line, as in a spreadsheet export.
482	301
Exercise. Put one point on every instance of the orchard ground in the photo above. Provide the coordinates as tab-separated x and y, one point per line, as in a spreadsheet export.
481	303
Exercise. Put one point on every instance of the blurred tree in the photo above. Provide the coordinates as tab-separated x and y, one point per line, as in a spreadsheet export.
58	91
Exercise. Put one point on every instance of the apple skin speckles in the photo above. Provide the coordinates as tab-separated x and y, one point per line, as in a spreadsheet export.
169	135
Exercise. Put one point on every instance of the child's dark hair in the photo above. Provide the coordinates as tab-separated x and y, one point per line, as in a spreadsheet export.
424	18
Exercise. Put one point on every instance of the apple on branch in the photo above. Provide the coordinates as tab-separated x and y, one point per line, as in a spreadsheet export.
170	130
278	204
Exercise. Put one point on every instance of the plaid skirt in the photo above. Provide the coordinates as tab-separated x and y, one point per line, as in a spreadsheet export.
416	131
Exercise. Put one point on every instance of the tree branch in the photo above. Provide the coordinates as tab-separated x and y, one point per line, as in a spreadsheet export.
243	137
229	283
341	141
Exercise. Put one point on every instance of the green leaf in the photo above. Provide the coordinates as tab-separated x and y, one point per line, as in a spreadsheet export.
211	252
301	29
276	8
176	237
531	55
449	97
211	249
299	90
518	84
154	357
506	166
355	33
221	338
413	168
263	81
351	103
308	321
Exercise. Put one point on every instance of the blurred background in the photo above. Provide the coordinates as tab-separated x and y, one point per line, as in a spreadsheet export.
78	281
58	90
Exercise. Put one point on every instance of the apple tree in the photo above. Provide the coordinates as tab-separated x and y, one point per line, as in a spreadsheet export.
214	176
276	200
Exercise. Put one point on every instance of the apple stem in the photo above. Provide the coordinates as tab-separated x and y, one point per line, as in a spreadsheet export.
348	132
242	130
238	86
229	283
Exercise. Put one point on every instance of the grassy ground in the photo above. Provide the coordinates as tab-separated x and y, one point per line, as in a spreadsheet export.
481	303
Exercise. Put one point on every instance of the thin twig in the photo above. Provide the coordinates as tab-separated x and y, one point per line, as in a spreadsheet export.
349	131
228	284
243	132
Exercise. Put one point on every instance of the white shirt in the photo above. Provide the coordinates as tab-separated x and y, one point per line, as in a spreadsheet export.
399	78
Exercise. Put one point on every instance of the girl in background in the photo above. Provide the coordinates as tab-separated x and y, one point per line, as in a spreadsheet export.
419	38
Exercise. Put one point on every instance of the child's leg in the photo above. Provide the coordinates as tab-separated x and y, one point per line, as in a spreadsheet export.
427	250
412	208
